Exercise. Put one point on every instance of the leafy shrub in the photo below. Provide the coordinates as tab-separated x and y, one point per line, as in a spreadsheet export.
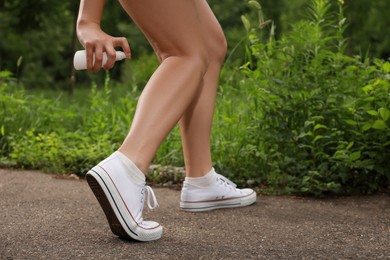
44	134
321	120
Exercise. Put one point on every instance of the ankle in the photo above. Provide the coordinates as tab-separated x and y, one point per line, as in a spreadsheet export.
142	166
202	181
198	171
119	164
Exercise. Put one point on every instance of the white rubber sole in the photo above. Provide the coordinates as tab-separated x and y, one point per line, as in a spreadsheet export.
118	216
197	206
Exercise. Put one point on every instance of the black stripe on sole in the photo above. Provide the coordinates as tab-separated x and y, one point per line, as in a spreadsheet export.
113	221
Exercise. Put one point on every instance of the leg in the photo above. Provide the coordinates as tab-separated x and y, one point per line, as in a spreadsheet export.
172	26
119	183
208	190
195	125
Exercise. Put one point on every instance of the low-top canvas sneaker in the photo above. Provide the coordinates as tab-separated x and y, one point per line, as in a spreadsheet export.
120	189
221	193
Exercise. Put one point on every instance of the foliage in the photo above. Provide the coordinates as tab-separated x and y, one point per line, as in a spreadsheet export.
41	133
322	117
47	42
369	24
42	40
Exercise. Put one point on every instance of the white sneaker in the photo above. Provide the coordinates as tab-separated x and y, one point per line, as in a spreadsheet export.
120	189
221	193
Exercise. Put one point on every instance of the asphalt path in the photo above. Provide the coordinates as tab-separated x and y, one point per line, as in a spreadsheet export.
46	217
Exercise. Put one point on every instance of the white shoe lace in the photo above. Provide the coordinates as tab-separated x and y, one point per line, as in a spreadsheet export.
150	193
228	183
226	180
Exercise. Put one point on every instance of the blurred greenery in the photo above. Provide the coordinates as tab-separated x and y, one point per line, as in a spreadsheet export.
42	32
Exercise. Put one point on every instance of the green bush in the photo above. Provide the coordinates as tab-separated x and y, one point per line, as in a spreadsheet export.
41	133
320	119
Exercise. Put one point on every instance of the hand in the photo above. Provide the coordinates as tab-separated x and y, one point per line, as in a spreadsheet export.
95	42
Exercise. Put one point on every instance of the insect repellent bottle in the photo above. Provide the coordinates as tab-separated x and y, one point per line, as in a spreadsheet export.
80	59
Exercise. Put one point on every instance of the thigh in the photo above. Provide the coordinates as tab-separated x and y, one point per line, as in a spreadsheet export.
171	26
210	28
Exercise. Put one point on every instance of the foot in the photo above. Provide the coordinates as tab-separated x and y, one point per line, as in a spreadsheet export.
120	189
218	193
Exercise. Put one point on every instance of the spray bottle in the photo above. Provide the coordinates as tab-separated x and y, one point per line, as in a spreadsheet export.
80	59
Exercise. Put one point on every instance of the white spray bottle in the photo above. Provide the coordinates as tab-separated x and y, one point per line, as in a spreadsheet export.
80	59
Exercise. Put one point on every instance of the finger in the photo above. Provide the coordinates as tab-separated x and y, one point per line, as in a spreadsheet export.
123	43
98	59
111	56
89	53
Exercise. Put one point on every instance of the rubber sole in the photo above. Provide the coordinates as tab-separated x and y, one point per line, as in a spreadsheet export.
198	206
113	221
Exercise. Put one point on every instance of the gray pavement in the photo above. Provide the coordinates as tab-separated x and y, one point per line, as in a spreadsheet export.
44	217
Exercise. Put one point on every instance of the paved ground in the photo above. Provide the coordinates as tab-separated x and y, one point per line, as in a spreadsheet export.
42	217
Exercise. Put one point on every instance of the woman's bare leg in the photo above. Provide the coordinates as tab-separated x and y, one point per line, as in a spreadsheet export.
172	26
195	125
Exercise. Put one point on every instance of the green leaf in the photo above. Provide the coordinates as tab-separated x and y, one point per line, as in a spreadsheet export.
319	126
386	67
369	99
384	113
351	122
317	118
318	137
307	123
254	4
5	74
302	135
372	112
246	23
19	62
2	131
367	89
379	125
342	22
381	82
350	145
366	126
355	155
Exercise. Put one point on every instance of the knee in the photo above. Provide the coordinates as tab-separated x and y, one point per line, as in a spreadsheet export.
217	49
197	58
201	60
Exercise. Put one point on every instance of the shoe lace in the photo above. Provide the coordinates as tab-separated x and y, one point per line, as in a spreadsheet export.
149	193
226	181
